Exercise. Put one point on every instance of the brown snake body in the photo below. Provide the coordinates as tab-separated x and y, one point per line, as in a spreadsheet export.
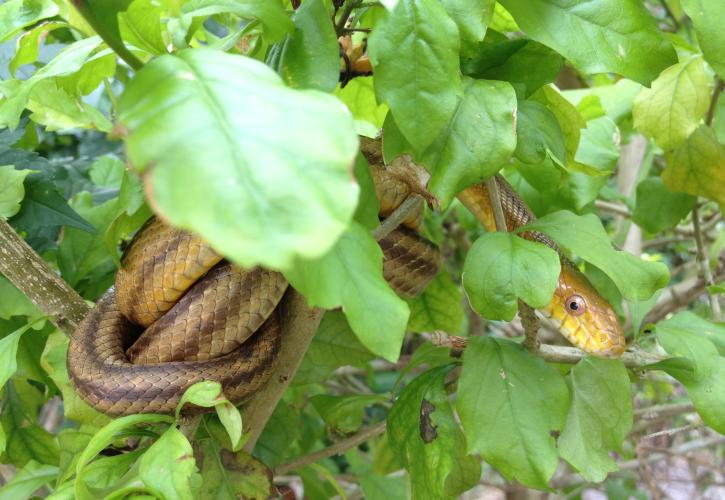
180	314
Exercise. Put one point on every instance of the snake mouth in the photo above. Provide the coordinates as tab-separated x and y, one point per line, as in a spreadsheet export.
603	343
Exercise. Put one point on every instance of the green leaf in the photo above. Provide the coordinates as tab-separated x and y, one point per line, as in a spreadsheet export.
15	302
8	352
707	17
359	96
414	52
570	120
672	109
368	205
659	209
599	36
54	362
698	166
282	430
599	419
526	64
140	25
345	413
216	169
29	479
309	57
168	464
228	476
598	150
271	14
82	254
43	206
333	345
68	61
471	16
424	434
584	236
477	140
439	307
207	394
25	439
691	337
501	268
109	432
510	405
57	110
107	171
28	45
17	14
350	275
701	368
538	134
376	487
12	190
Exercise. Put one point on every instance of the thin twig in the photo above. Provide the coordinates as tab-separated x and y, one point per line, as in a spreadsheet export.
412	202
705	264
551	353
719	85
350	5
336	449
530	322
495	197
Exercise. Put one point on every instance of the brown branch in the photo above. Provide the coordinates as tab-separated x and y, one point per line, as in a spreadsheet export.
39	282
551	353
299	324
336	449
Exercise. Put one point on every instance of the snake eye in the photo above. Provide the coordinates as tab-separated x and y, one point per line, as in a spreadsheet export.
575	305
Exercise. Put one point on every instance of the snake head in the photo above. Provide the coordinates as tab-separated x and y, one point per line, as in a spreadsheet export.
584	317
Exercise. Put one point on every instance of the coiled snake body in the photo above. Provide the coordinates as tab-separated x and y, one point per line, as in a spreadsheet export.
180	314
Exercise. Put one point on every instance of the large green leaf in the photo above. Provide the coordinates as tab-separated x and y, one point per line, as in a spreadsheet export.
424	434
701	369
12	190
17	14
414	52
511	405
228	476
28	44
8	352
309	57
501	268
471	16
538	134
672	109
707	16
140	25
359	96
168	464
57	110
697	167
584	236
439	307
526	64
657	208
350	275
345	414
477	140
598	36
261	171
599	419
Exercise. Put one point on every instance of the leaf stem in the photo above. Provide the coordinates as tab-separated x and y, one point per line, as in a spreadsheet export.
336	449
495	197
412	202
719	85
350	5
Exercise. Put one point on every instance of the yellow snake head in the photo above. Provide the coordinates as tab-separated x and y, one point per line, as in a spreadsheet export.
583	316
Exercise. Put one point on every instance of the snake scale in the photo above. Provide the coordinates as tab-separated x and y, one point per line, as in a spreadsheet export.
180	314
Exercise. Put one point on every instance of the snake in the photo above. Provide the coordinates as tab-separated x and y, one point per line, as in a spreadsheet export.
180	313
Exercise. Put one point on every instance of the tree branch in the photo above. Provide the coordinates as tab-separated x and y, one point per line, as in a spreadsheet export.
39	282
336	449
551	353
299	324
